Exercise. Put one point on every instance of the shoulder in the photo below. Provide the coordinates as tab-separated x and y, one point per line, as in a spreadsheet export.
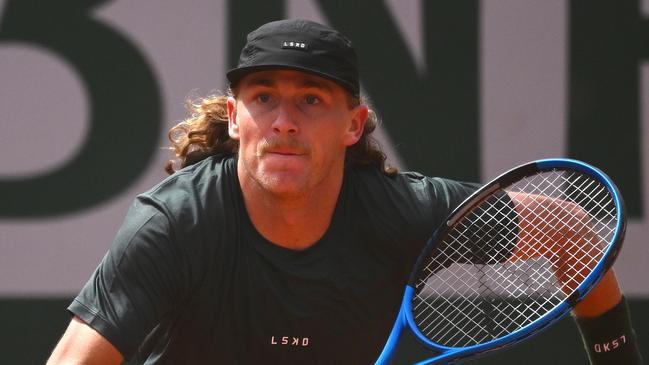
409	197
444	191
207	171
193	194
413	184
184	216
207	177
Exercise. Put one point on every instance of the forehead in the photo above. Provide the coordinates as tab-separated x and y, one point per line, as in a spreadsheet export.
284	77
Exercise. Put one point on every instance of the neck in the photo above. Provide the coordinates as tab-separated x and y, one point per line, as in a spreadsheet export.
297	221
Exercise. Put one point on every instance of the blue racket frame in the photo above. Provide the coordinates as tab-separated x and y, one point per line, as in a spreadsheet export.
405	320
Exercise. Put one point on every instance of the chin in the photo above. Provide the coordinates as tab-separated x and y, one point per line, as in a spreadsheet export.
283	183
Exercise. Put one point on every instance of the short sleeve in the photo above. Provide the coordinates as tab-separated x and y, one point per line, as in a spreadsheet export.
137	281
440	196
450	193
488	232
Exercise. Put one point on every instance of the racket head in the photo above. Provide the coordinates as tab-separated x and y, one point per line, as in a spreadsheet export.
455	346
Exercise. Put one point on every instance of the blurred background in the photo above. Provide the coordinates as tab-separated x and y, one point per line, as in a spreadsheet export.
466	89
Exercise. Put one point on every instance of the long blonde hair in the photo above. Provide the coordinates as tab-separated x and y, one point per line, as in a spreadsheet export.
205	133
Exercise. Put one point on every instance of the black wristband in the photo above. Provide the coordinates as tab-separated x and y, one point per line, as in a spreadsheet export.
610	338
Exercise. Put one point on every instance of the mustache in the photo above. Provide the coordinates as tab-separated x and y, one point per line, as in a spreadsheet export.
276	143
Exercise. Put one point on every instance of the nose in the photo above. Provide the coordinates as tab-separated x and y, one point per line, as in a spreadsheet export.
285	122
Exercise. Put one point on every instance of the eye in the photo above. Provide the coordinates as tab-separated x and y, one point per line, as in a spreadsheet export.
263	98
311	100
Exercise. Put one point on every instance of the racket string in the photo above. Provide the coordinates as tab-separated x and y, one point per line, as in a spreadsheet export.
474	289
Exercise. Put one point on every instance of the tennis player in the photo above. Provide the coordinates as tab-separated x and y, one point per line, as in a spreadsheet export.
283	238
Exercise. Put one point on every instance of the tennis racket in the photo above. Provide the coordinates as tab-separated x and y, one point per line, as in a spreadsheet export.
512	259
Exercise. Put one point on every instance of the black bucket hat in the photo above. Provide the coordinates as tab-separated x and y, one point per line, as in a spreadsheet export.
301	45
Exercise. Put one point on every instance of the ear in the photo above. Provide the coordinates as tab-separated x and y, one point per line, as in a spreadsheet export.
233	123
355	131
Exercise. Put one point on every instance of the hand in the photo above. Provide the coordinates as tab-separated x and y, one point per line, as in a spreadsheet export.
561	232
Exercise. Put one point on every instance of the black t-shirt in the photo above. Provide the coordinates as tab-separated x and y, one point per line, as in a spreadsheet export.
188	278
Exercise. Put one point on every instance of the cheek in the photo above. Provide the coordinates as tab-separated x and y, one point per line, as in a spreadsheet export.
247	139
245	128
329	143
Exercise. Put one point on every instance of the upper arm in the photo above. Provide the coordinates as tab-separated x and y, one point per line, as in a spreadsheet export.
81	344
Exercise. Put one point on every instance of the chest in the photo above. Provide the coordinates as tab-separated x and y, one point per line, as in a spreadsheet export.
344	283
299	308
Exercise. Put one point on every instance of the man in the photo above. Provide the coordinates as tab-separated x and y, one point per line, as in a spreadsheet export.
283	239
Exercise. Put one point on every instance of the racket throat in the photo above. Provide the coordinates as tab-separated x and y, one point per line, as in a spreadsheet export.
402	346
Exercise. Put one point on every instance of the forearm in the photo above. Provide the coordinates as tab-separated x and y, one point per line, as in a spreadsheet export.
604	296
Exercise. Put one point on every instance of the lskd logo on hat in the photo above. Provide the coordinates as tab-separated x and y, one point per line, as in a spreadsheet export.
294	45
